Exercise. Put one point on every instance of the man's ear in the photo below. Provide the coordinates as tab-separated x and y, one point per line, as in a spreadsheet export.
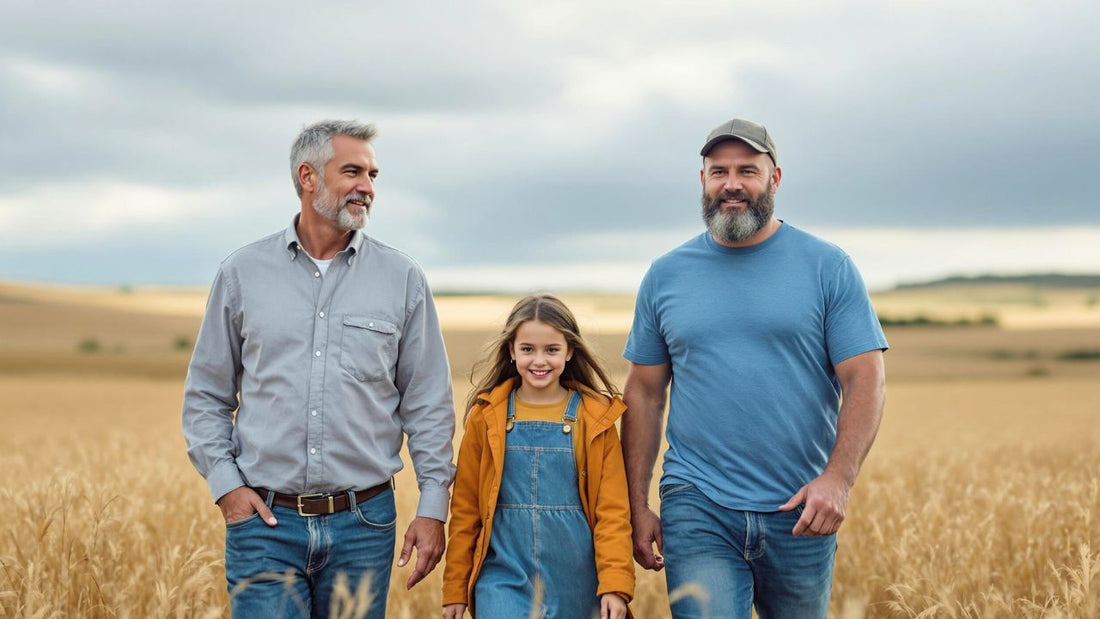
307	178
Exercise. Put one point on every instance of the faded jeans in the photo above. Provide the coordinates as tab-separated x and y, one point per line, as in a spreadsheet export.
721	562
293	569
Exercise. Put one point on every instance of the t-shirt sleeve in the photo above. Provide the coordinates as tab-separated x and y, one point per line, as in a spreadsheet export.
646	345
851	324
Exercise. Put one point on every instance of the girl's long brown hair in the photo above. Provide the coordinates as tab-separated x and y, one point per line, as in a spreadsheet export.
583	369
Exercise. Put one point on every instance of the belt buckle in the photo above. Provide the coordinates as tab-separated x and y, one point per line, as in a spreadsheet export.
331	509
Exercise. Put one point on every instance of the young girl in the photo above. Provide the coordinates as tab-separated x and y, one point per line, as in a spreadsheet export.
540	520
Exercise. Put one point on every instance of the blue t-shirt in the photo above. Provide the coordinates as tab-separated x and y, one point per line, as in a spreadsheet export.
753	335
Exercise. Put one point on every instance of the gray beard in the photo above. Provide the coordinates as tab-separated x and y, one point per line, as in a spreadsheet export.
325	203
738	226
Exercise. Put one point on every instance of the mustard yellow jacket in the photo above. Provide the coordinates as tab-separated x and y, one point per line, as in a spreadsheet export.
601	481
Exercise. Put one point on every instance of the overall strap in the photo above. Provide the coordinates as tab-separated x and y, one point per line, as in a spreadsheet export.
572	406
568	418
511	406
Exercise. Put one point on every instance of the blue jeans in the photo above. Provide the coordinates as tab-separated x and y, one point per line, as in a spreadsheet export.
727	560
292	569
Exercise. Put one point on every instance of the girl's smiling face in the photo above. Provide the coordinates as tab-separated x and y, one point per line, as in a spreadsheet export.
540	352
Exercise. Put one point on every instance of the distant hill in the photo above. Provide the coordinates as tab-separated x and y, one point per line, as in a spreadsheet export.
1044	280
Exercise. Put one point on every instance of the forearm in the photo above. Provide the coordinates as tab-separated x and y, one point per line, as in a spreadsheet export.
431	453
427	407
641	439
611	534
208	431
429	442
858	422
465	523
459	558
210	392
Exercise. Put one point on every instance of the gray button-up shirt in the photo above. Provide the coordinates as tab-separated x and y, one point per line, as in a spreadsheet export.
330	371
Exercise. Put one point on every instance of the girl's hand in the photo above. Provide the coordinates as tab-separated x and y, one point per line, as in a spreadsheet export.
612	606
454	611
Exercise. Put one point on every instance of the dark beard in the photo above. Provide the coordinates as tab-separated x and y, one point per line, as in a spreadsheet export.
733	226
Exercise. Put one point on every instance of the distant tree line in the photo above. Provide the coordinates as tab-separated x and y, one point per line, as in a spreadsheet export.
1047	280
920	320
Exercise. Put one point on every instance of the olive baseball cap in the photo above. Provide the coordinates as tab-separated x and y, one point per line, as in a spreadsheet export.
748	132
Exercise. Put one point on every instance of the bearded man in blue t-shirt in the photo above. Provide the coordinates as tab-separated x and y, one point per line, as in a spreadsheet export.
760	328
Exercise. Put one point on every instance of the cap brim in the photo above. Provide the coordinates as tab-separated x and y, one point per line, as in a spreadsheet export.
711	143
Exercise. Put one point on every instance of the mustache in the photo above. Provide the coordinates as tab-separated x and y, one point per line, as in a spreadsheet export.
712	206
732	195
360	197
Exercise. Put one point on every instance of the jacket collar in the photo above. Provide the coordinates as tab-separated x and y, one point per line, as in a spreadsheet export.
600	412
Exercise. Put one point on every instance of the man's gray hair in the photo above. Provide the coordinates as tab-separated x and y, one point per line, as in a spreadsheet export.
314	144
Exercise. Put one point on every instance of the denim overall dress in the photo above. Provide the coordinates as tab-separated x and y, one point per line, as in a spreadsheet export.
541	538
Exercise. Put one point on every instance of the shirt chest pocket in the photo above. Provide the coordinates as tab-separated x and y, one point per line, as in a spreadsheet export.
368	347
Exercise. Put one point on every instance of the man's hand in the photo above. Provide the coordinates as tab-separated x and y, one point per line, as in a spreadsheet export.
454	611
646	530
240	503
426	535
826	500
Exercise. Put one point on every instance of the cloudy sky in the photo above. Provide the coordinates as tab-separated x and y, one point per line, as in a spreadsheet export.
548	144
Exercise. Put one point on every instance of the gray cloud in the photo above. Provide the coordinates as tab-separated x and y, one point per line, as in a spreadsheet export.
507	128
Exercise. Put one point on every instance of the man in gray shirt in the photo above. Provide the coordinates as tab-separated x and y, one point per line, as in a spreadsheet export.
327	346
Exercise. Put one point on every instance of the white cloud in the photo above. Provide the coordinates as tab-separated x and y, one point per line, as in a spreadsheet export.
48	216
888	256
523	278
50	79
885	257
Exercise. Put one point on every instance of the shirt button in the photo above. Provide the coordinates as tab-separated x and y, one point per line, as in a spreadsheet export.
317	274
321	314
370	324
317	354
314	413
312	450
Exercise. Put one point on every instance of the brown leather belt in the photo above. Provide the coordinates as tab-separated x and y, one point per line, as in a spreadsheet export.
321	504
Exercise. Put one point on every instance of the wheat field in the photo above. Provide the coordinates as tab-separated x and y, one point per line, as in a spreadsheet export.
981	497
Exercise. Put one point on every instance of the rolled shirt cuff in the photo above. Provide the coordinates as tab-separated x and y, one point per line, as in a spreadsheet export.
434	500
223	478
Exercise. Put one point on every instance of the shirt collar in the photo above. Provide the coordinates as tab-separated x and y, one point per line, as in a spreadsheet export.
290	237
294	244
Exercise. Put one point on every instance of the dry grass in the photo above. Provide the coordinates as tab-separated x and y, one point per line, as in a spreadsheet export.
981	497
979	500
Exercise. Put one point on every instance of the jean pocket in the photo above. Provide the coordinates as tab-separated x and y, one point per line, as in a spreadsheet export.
368	347
377	513
236	524
671	489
